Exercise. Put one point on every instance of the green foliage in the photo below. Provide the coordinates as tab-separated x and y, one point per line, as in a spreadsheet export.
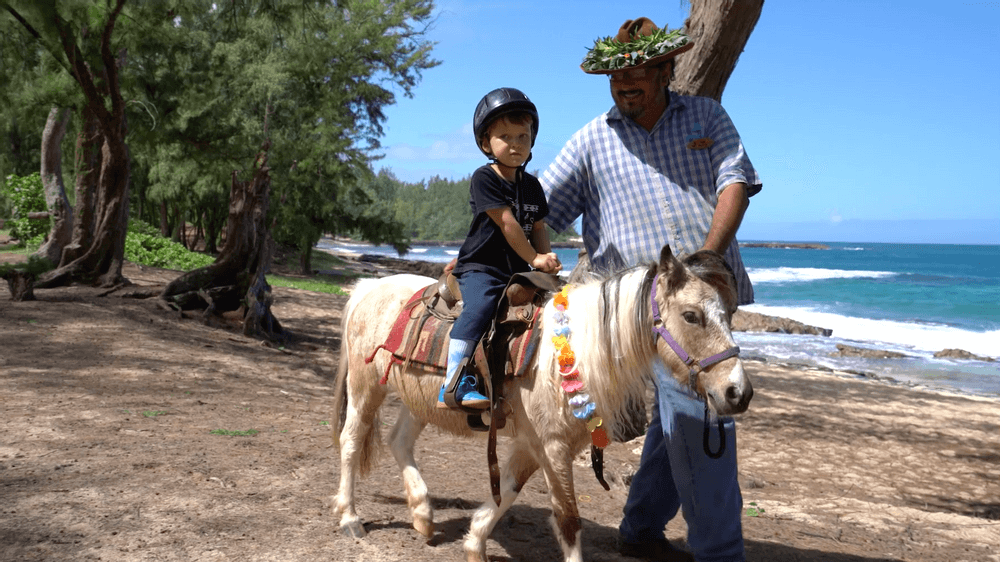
31	82
35	266
26	195
754	511
144	245
438	210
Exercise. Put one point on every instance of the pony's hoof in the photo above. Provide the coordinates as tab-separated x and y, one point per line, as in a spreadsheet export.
424	527
353	529
475	557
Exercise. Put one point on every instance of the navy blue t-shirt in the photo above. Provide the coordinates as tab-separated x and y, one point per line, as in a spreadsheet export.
485	248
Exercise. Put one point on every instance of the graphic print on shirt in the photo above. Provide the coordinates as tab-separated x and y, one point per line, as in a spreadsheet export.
526	216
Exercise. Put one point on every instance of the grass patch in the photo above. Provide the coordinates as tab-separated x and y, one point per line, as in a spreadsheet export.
317	284
754	511
153	413
235	432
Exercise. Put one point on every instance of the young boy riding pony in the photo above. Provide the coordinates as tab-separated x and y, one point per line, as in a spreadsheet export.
507	234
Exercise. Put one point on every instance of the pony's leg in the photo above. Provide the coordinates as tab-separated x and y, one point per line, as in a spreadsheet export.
359	441
558	473
401	442
513	476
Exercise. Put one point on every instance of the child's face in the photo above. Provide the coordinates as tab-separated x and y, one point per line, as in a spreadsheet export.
508	142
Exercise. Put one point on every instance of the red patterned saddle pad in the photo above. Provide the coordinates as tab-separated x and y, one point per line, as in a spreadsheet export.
422	338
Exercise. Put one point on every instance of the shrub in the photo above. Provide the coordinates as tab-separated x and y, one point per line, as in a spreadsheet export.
35	266
144	245
26	195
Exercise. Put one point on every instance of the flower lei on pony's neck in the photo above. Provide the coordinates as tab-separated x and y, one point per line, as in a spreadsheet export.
583	407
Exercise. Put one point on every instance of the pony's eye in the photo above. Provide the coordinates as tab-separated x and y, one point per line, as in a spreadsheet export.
690	317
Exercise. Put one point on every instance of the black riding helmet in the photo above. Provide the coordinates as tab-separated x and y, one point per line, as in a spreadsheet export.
501	102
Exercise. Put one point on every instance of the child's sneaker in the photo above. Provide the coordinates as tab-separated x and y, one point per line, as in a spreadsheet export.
466	395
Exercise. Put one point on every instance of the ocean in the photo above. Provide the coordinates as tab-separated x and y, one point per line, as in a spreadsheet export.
915	299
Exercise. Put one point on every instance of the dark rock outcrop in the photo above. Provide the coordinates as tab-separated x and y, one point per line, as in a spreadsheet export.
961	354
865	353
744	321
785	245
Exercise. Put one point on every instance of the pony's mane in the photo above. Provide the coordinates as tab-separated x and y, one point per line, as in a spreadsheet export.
610	325
610	321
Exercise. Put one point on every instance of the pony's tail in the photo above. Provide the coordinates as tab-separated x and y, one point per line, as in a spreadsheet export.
340	391
371	443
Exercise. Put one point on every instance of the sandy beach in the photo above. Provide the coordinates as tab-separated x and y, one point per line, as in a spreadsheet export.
132	434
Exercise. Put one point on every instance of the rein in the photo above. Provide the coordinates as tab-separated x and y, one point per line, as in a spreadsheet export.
694	369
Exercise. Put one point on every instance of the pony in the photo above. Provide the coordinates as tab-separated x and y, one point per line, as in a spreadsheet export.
616	332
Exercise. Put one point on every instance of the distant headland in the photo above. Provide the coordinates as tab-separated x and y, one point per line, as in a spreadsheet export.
785	245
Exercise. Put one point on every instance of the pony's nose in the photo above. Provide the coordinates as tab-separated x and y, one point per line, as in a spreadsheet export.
739	398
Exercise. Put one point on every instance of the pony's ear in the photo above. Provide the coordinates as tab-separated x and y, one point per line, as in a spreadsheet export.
671	269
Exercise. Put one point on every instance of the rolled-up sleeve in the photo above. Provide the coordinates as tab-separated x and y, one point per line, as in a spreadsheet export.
728	155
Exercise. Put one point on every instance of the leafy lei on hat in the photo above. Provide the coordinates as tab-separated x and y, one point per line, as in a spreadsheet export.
611	54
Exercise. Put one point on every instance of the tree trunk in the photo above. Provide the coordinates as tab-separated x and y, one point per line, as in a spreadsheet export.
88	168
237	278
61	234
305	260
21	286
100	262
719	30
165	228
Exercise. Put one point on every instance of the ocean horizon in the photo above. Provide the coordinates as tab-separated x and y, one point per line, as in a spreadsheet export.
914	299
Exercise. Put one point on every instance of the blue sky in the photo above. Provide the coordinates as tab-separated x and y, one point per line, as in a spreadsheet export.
868	121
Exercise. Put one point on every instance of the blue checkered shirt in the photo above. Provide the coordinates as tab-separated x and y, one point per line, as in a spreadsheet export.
639	190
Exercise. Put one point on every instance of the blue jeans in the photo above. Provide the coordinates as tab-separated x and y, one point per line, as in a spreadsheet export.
675	472
481	294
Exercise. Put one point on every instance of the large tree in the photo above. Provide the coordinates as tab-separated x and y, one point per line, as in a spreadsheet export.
79	37
312	79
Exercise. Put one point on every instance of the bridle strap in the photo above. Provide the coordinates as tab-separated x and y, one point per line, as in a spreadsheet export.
659	330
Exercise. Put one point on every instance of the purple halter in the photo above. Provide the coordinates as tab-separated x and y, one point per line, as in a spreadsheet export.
694	367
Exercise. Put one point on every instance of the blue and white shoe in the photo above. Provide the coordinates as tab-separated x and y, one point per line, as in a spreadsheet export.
466	395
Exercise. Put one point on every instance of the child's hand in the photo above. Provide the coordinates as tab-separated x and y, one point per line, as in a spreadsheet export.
549	263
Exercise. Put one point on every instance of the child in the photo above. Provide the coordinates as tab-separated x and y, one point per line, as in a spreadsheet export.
507	234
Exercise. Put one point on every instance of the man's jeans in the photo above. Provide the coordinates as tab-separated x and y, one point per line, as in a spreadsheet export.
674	472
